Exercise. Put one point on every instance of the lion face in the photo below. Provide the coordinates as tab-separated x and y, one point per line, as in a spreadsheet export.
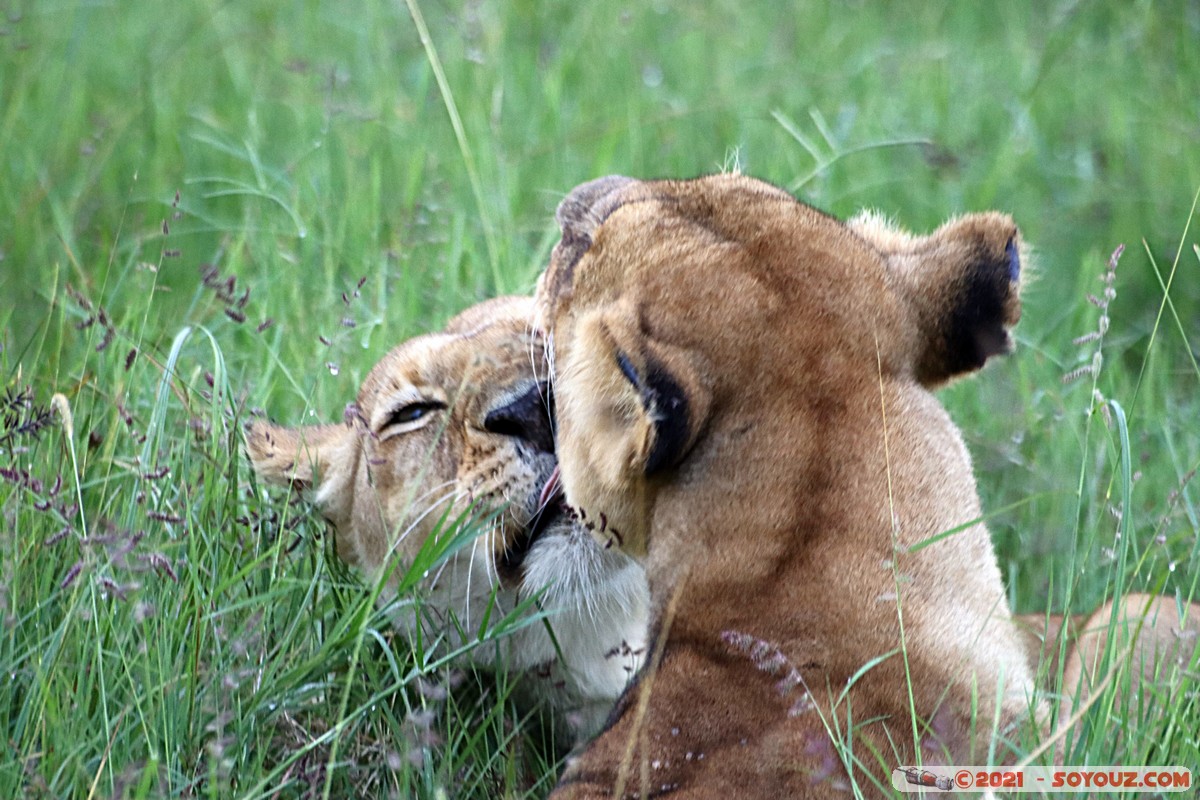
444	424
460	421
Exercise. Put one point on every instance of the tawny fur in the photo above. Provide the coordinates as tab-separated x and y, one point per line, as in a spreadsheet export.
1148	661
1161	645
743	388
1142	643
383	482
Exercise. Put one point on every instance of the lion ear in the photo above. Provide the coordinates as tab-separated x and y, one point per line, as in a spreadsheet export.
962	286
292	456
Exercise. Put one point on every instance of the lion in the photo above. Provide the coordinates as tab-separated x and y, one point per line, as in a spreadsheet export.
454	422
744	395
1144	643
1161	635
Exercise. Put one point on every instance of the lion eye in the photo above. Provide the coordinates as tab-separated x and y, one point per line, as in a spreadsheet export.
413	412
626	367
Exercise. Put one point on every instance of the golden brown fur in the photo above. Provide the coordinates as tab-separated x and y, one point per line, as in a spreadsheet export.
383	481
743	389
1121	662
445	424
1161	646
1149	658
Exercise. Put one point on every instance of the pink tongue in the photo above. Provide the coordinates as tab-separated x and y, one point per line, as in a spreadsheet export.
552	488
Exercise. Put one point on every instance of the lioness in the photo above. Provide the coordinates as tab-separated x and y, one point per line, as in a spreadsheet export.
457	418
743	393
1141	642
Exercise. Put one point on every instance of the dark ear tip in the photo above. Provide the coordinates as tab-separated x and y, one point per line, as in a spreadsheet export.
578	208
1014	259
976	262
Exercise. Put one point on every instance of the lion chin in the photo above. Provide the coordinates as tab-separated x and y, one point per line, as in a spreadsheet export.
456	424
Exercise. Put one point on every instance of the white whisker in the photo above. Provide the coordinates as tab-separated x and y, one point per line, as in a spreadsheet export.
433	489
470	572
416	500
412	525
548	358
437	576
493	568
544	365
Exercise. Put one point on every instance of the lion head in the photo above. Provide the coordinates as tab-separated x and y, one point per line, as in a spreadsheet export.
743	386
443	423
454	425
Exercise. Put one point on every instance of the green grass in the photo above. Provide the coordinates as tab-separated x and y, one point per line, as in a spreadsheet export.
169	629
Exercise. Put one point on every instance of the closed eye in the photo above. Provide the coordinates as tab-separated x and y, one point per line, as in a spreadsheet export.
626	367
412	412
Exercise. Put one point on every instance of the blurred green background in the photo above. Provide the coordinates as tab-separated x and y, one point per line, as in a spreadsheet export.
363	183
311	143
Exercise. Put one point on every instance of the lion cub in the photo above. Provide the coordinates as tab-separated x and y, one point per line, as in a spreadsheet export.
458	420
743	386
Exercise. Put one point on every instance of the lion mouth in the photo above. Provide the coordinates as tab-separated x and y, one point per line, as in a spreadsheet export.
550	509
550	506
551	490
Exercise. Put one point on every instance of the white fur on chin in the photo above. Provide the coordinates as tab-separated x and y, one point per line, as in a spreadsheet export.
598	606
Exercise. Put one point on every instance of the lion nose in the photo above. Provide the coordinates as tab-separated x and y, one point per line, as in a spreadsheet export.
528	417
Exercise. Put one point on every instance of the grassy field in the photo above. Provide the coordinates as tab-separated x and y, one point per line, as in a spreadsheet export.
212	207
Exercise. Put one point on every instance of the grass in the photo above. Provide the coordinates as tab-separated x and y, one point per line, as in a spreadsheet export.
217	207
